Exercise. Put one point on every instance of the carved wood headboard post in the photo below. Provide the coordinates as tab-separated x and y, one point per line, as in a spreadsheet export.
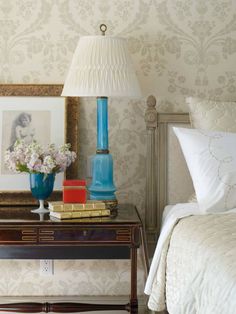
158	127
151	221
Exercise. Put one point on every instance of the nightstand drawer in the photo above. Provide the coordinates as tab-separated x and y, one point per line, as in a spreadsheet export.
84	235
64	235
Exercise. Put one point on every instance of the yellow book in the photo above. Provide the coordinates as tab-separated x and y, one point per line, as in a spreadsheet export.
59	206
81	214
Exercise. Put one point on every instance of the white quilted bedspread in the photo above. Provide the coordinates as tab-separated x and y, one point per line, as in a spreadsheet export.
196	272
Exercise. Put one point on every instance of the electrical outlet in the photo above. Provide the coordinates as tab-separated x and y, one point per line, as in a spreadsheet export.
46	267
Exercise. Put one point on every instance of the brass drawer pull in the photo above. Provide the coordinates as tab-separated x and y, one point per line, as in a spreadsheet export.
46	238
29	238
28	231
123	238
46	232
123	231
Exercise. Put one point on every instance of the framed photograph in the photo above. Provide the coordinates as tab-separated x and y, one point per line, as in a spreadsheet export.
35	112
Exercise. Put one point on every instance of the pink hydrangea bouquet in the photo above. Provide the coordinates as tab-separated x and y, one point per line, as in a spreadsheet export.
33	158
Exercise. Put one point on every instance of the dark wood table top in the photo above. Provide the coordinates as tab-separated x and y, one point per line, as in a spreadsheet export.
127	214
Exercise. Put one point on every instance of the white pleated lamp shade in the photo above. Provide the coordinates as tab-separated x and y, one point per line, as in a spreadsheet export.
101	66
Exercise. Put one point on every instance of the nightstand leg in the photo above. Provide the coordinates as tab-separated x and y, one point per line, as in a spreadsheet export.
133	295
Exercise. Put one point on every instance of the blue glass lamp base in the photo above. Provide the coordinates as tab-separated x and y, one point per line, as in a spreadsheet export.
102	186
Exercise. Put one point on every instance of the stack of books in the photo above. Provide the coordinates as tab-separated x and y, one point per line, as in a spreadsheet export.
61	210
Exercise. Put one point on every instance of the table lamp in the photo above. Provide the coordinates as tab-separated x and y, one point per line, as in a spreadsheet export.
101	67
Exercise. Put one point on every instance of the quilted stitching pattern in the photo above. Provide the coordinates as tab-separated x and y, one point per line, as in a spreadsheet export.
201	273
212	115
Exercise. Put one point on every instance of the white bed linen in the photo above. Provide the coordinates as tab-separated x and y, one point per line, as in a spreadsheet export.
156	282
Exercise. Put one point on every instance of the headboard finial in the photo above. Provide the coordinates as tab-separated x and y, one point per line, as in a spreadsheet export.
151	101
151	113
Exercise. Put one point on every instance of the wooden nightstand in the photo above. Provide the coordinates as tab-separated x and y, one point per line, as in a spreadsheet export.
23	236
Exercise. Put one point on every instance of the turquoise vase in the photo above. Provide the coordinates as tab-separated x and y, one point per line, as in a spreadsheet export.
41	186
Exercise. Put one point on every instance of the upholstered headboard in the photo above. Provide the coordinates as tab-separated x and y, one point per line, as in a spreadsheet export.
167	177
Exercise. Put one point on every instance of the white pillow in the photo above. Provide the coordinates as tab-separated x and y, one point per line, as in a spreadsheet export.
211	159
212	115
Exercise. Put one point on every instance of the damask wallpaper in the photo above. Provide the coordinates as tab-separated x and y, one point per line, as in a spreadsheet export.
179	47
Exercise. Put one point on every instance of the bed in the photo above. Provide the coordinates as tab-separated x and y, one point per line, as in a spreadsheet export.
193	270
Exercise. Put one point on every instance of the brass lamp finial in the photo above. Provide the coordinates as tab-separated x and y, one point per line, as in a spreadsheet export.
103	29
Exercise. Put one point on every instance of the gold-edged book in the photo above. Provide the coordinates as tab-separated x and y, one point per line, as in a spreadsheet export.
81	214
59	206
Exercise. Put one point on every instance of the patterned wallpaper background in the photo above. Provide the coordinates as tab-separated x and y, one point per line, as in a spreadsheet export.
179	48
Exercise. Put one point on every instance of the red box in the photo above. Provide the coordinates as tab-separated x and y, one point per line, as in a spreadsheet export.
74	191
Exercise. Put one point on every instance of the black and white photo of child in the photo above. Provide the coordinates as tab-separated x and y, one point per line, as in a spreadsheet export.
22	129
23	125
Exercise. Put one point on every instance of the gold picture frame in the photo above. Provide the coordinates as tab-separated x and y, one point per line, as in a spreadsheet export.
24	197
